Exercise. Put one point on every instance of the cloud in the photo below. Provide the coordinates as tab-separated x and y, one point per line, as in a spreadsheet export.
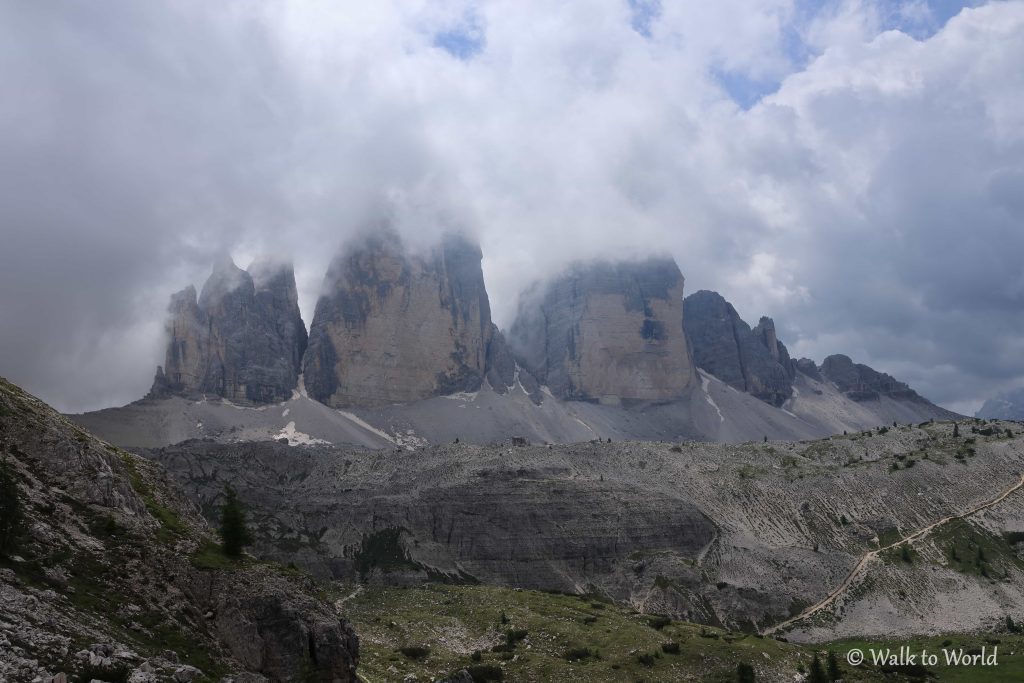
852	169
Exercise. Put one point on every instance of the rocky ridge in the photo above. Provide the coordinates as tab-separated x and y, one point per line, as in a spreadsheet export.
862	383
116	576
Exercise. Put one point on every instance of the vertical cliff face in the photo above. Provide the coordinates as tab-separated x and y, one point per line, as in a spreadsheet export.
242	339
392	326
607	331
754	361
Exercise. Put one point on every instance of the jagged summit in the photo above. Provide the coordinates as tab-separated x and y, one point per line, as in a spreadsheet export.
608	331
754	361
236	340
757	362
394	326
403	351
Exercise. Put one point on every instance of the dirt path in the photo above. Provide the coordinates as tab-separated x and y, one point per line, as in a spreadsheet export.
341	601
872	554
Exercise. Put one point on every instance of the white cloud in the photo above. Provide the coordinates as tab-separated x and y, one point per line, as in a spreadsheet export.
870	205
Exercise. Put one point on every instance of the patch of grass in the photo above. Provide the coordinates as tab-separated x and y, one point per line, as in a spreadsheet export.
559	638
210	555
171	526
972	550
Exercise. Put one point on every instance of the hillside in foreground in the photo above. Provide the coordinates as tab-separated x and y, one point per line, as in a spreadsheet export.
114	576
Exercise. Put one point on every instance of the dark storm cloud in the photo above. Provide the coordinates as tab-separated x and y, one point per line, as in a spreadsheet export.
870	203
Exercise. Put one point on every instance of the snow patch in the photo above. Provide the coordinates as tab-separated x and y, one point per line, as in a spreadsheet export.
366	425
297	438
286	411
705	383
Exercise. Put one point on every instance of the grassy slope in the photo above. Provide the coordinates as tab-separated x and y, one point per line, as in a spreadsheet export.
454	621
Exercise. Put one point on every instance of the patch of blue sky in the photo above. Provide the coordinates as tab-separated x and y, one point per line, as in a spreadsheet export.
643	13
463	41
921	20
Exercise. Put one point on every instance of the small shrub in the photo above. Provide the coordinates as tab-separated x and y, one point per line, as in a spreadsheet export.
415	652
658	622
576	654
11	523
476	656
514	635
744	673
645	659
234	532
484	673
118	673
673	648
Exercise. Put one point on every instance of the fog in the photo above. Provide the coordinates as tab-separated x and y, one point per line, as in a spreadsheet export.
853	169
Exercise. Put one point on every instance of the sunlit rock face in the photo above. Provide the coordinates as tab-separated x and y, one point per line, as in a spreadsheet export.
395	326
607	332
242	338
754	361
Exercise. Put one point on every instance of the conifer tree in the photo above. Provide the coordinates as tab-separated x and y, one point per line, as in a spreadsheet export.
233	530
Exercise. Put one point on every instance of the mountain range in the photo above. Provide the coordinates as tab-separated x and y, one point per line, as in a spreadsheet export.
402	351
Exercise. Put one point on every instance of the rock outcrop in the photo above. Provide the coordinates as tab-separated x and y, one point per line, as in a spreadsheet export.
242	338
110	552
754	361
862	383
393	326
607	332
809	368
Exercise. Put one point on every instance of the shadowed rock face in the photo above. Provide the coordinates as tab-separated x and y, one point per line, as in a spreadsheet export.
754	361
396	327
862	383
607	331
243	338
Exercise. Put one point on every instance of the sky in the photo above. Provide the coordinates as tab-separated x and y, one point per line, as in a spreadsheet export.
852	168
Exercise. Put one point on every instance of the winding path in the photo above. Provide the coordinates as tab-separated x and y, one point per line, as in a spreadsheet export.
872	554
